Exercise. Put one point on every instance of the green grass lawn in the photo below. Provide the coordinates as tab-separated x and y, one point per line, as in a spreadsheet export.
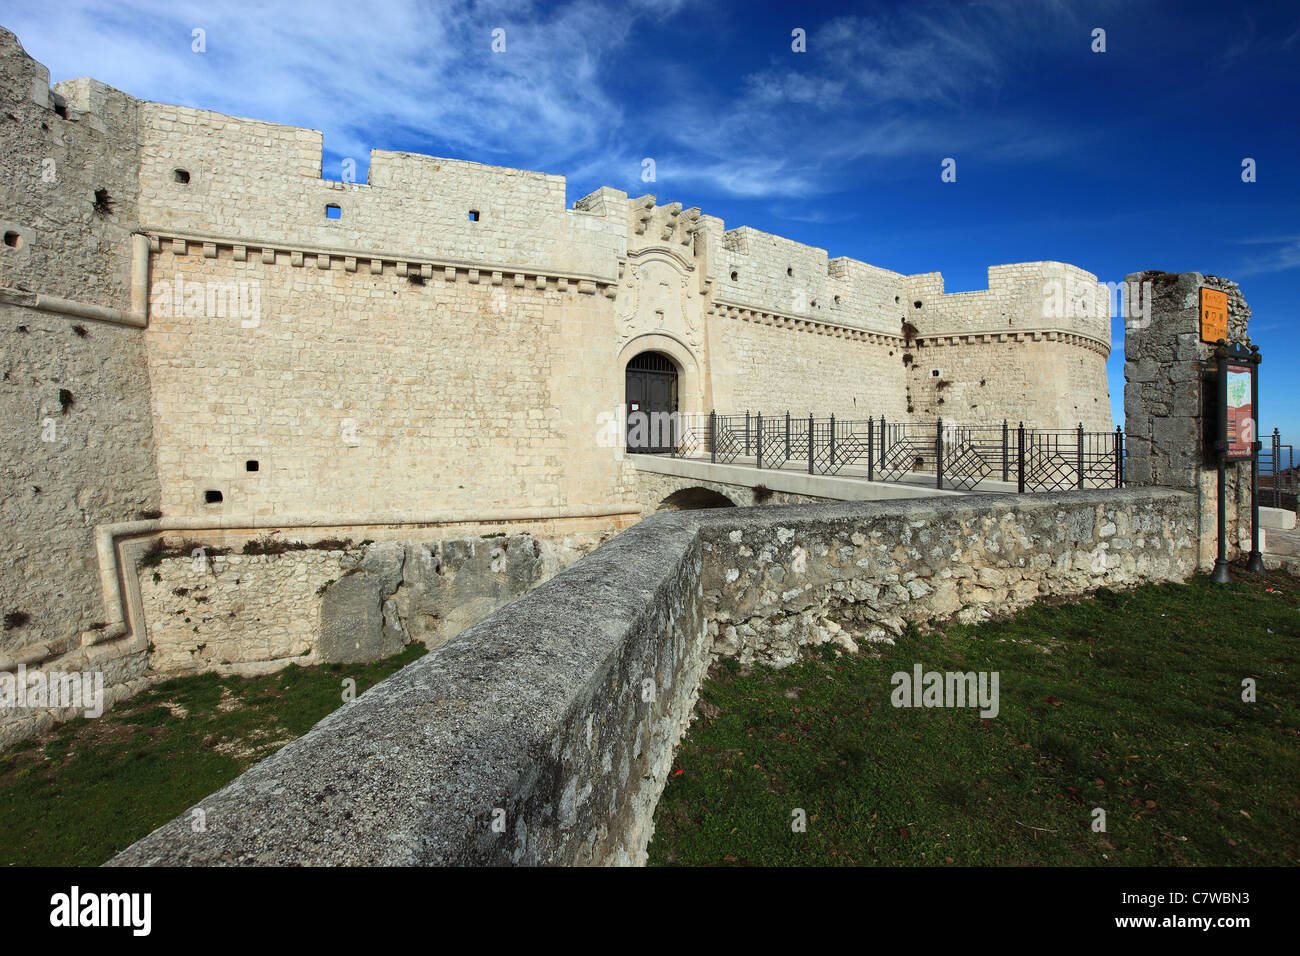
1126	701
94	787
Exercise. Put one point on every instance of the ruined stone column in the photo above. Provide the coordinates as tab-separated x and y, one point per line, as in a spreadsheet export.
1168	394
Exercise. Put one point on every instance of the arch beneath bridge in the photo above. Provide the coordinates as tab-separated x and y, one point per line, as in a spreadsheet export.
695	498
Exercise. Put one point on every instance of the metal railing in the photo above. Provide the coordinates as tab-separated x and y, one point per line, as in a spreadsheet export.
954	456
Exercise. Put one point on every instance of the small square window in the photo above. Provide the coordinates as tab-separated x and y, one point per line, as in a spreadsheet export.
333	211
250	465
181	175
473	215
212	497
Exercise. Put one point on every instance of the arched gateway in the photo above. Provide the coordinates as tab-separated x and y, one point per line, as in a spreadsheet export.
651	403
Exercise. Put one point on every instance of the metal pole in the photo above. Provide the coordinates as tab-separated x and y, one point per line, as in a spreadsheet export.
1277	455
787	435
1020	458
1119	457
713	436
832	443
1080	465
1221	573
759	449
810	443
1256	561
871	449
747	433
1005	463
938	454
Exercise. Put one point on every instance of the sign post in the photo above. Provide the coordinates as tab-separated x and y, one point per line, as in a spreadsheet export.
1255	562
1237	439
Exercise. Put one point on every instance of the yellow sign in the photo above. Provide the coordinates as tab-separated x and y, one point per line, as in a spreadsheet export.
1214	315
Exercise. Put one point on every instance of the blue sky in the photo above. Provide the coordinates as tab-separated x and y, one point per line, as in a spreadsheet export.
1117	161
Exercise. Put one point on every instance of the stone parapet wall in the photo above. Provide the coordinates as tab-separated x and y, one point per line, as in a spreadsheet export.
70	165
258	182
774	586
544	733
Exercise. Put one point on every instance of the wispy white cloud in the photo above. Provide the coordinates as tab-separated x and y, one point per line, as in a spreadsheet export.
923	80
1283	255
369	76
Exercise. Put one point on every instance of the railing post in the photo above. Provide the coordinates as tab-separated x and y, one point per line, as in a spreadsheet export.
787	435
713	436
810	443
747	433
1020	458
938	454
1119	457
871	449
1005	463
1080	479
832	456
758	450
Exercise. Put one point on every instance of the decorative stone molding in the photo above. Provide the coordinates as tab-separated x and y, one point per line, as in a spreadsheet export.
452	271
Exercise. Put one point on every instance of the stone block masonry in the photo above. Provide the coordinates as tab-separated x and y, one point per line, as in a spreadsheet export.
1167	396
333	601
544	734
228	340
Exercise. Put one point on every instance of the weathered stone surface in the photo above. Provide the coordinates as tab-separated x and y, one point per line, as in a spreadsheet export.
249	613
352	621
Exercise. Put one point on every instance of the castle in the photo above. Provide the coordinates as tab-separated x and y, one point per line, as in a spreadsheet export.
199	328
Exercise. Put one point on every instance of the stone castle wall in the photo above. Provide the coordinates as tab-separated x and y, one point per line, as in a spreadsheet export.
452	343
77	449
358	391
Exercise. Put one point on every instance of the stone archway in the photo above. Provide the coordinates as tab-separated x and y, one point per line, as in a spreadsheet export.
651	398
689	398
693	499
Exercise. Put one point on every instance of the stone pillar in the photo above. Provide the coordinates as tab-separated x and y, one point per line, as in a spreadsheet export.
1167	387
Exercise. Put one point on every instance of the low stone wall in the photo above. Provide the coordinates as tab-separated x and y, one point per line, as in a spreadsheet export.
531	737
212	608
775	585
544	733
